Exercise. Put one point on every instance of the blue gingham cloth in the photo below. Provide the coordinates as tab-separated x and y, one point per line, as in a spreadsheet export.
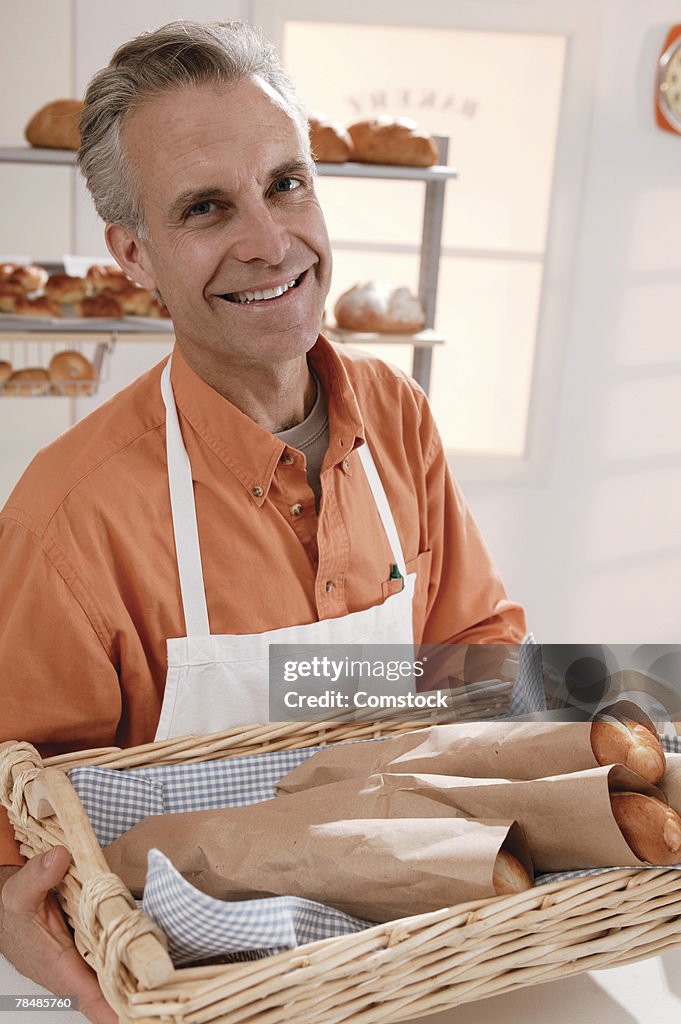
528	695
200	927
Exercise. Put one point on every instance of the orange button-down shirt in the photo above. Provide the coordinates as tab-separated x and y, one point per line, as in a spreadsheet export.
90	587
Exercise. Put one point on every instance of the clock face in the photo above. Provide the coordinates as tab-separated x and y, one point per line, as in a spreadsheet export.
669	84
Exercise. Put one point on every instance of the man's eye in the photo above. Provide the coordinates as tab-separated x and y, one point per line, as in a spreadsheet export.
287	184
199	209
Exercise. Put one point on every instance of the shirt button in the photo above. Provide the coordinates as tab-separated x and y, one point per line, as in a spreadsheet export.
257	492
329	586
287	459
346	465
296	509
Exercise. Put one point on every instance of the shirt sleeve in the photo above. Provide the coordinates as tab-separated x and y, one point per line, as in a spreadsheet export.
58	687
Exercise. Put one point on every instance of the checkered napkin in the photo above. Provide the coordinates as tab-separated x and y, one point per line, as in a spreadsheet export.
199	926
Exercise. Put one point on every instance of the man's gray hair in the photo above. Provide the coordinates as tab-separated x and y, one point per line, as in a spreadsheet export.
181	53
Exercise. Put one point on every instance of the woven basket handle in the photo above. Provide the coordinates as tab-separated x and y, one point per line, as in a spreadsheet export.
51	793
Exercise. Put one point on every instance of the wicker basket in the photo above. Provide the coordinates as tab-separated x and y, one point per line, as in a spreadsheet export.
391	972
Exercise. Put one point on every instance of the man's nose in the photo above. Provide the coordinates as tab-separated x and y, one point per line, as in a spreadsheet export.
261	236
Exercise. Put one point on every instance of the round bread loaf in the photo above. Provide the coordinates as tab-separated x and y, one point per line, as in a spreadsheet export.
616	740
382	308
651	828
71	373
66	289
384	140
134	301
33	380
330	142
29	276
6	271
509	875
104	278
55	126
5	370
99	305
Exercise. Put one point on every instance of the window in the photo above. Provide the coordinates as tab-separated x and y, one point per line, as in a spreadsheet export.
497	90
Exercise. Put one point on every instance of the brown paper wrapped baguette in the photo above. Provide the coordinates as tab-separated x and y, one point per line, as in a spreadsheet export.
651	828
616	738
509	875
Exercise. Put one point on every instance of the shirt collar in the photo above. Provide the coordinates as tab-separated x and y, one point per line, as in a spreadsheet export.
250	451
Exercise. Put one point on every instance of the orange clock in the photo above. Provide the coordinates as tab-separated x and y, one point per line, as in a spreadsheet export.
668	83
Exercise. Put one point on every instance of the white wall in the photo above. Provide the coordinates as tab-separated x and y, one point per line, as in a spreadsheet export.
593	549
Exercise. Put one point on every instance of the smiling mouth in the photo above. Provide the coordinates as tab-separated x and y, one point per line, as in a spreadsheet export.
265	294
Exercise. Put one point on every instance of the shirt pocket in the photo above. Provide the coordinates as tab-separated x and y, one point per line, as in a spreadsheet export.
421	566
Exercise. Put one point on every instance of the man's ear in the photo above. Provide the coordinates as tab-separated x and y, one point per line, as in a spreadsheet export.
130	253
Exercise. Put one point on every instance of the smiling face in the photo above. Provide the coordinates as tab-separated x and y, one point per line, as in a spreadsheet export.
237	243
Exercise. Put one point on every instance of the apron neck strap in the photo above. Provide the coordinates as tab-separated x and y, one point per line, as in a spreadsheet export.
185	528
383	506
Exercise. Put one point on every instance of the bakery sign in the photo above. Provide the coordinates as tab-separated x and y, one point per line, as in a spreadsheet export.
412	101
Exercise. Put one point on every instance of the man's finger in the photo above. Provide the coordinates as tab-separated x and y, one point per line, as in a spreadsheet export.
25	891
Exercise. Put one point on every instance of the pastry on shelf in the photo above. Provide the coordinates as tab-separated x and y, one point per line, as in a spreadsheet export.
330	142
386	140
29	276
380	308
32	380
40	305
55	126
102	277
71	374
65	289
100	306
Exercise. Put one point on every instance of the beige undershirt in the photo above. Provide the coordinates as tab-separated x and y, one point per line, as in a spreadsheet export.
311	437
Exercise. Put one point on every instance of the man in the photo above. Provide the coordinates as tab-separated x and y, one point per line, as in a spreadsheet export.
261	487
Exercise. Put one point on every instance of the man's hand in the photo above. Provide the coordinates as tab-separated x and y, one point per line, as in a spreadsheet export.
34	935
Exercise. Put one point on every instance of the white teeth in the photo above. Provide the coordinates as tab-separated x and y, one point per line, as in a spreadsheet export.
267	293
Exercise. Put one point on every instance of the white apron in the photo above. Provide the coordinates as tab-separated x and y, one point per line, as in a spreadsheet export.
219	682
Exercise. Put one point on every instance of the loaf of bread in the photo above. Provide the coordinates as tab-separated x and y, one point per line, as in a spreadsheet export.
616	739
99	305
509	875
72	374
651	828
55	126
33	380
101	277
66	289
28	276
330	142
385	140
41	305
5	370
372	307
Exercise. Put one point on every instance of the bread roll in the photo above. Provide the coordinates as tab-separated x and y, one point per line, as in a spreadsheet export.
104	278
33	380
5	370
134	301
509	875
329	141
72	374
42	305
29	276
616	740
55	126
10	294
6	271
373	307
99	305
65	289
650	827
384	140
